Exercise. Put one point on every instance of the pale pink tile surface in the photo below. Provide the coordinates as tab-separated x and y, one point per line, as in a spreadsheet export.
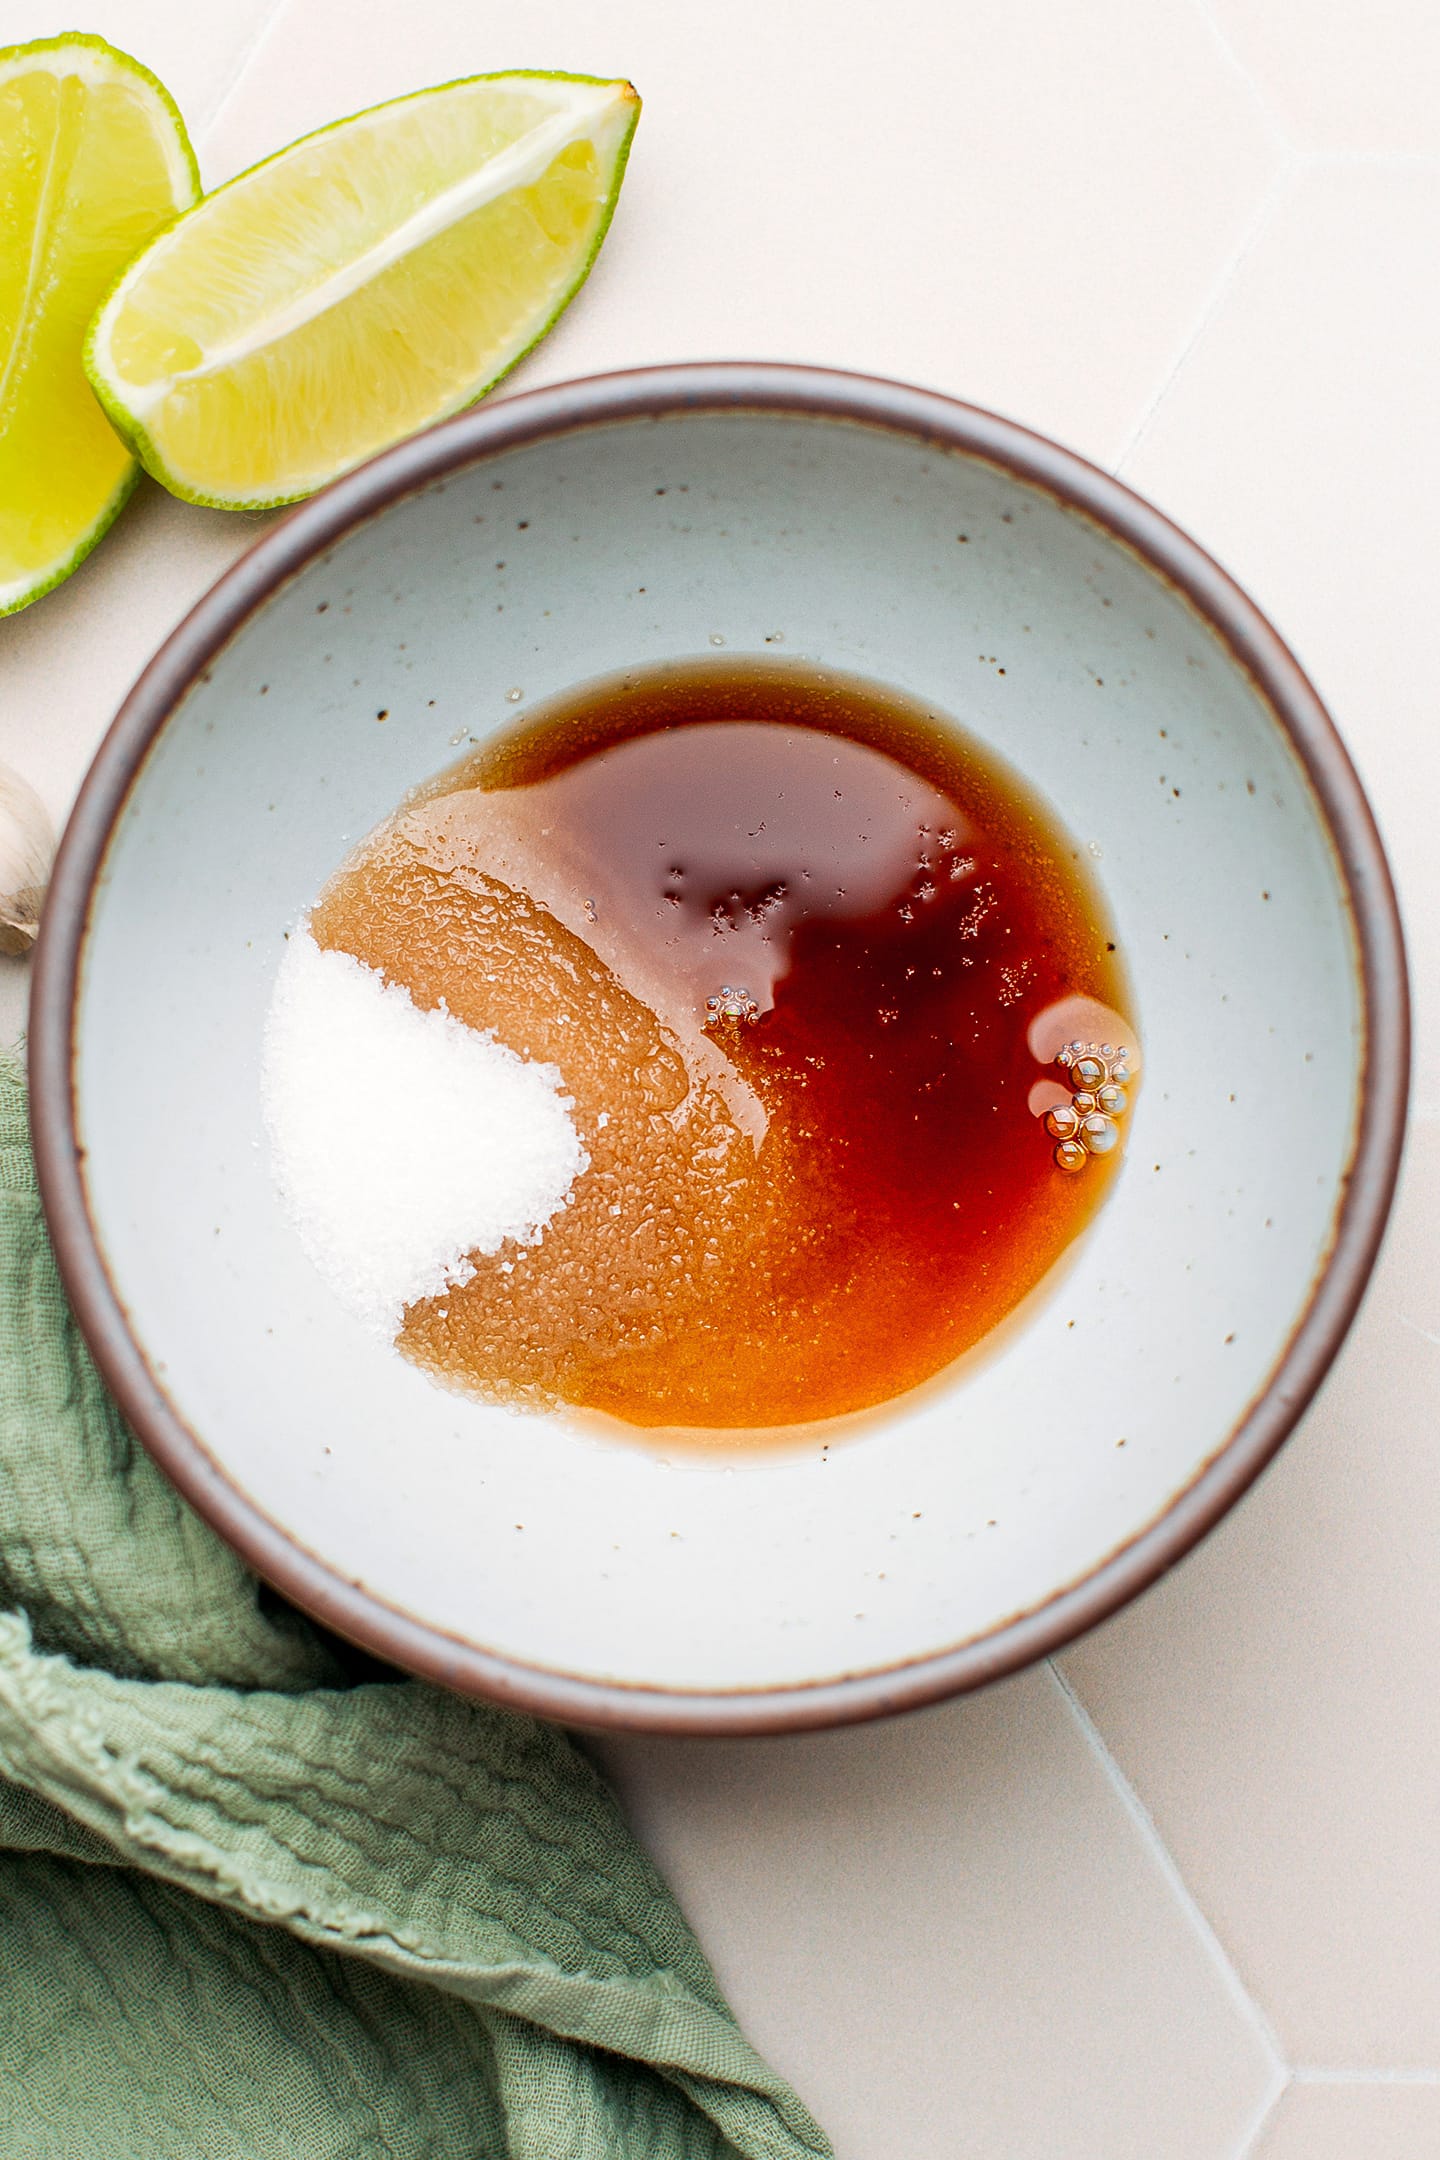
952	1937
1023	206
1275	1700
1342	77
1354	2122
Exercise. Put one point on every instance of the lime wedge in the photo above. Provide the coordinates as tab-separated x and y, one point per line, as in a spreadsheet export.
93	160
372	278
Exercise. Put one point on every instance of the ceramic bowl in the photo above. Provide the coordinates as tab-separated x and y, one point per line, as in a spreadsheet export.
560	536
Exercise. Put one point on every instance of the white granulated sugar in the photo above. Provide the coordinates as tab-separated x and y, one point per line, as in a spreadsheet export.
403	1141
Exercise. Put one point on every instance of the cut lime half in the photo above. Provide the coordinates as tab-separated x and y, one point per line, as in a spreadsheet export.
370	279
93	160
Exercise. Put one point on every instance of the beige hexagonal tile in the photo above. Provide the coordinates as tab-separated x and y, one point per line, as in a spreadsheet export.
1301	442
954	1936
1341	77
1352	2121
1024	206
1274	1700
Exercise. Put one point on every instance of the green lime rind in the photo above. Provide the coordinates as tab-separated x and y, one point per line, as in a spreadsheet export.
132	431
17	595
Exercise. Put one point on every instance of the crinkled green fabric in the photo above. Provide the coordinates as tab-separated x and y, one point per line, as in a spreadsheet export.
256	1904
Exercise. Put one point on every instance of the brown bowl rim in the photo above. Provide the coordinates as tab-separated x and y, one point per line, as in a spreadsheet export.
347	1606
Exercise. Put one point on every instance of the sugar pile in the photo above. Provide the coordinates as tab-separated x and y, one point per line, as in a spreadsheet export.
402	1141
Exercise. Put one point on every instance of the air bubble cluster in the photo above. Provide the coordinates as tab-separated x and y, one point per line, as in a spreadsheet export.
1089	1123
731	1003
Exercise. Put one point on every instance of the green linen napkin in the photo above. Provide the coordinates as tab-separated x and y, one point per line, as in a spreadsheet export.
255	1902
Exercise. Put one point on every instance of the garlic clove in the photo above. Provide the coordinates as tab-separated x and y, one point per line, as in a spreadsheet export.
27	850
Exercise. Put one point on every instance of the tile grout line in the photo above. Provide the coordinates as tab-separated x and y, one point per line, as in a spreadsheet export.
1272	116
258	37
1279	125
1311	2076
1269	2109
1269	202
1280	2078
1277	121
1180	1890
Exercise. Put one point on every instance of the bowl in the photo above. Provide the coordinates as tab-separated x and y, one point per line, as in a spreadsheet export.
560	536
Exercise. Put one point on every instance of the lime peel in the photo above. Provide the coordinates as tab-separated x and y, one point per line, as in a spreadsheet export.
249	406
65	104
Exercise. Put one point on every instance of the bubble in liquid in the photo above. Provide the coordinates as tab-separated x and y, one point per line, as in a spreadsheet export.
1099	1133
733	1003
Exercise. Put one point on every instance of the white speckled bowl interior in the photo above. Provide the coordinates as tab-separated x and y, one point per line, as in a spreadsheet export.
557	538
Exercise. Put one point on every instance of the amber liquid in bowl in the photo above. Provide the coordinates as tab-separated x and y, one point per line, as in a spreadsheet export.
804	954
